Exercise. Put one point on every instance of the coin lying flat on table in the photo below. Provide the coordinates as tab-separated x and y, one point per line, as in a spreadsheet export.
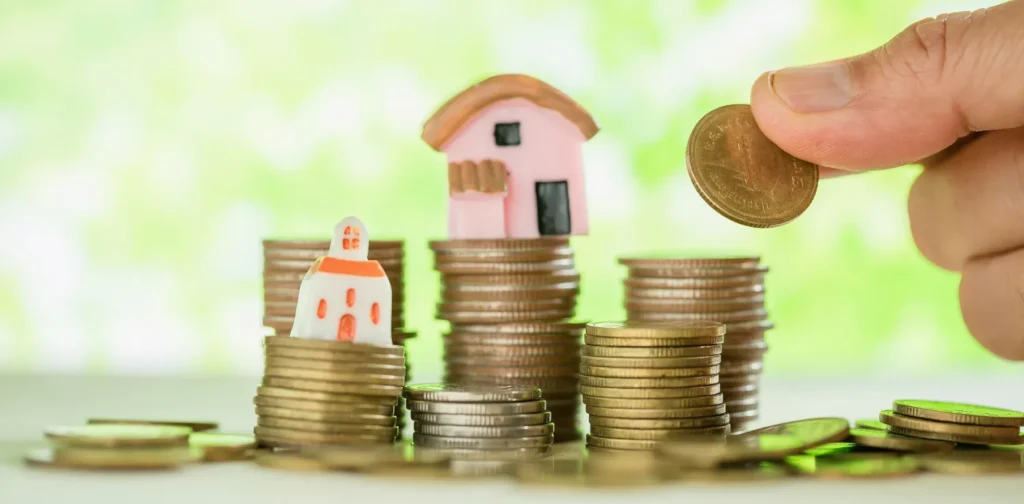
745	177
146	458
870	423
959	413
221	446
118	435
874	438
195	426
446	392
904	422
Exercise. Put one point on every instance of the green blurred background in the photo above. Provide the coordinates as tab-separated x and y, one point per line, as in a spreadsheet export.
147	146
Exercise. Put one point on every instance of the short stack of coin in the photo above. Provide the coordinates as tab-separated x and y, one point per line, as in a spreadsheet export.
508	302
285	262
321	392
399	338
643	383
482	422
954	422
726	290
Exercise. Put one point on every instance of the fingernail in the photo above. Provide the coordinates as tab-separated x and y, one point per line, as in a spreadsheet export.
815	88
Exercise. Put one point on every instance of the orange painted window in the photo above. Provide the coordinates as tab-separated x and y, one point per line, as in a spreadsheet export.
350	238
350	297
321	308
375	313
347	328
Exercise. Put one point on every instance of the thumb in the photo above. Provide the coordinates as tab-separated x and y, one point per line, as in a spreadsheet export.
935	82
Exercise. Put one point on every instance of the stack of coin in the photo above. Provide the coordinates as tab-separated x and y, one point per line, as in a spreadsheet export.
643	383
116	446
726	290
509	302
954	422
481	422
321	392
399	338
285	262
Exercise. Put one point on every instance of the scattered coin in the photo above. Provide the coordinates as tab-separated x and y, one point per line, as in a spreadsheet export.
118	435
195	426
892	419
135	458
855	465
958	413
871	423
220	446
874	438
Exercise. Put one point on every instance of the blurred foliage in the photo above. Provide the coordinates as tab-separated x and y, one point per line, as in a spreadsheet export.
147	146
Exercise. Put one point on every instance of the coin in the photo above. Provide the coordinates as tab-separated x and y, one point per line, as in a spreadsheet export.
385	432
221	446
444	392
622	431
360	458
565	291
769	443
972	462
700	411
871	423
290	461
568	343
655	331
958	438
690	262
569	328
507	454
335	346
348	378
267	395
958	413
362	389
467	431
327	417
743	175
668	403
486	317
431	441
334	357
651	342
457	370
737	279
892	419
621	444
733	368
741	291
195	426
723	317
694	305
855	465
692	425
650	352
336	367
693	381
105	458
620	372
291	437
503	408
484	255
544	242
118	435
647	393
520	352
493	268
874	438
483	420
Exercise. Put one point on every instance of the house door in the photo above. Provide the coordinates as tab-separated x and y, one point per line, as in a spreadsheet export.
553	208
347	328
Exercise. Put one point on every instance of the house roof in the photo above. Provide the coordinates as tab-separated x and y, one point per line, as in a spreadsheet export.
465	105
326	264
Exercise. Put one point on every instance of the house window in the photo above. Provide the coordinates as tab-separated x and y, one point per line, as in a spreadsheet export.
506	134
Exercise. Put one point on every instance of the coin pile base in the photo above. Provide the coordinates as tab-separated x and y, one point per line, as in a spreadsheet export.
508	302
726	290
643	384
480	422
319	392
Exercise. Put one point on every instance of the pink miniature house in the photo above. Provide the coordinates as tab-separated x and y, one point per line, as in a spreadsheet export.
515	159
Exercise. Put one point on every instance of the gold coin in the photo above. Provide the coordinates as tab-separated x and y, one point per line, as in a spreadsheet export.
334	346
221	446
353	378
545	242
645	433
972	462
737	279
655	331
486	256
741	291
457	371
334	357
739	405
274	396
692	381
722	317
326	417
564	359
660	363
741	418
694	272
429	441
553	386
619	372
733	368
195	426
284	437
485	317
483	420
646	393
522	328
699	411
483	409
871	423
694	305
745	177
690	262
106	458
959	413
384	432
957	438
904	422
621	444
360	458
668	403
341	368
651	342
508	454
744	382
507	306
291	461
618	352
702	424
566	341
453	351
462	393
873	438
506	293
118	435
476	268
468	431
361	389
526	280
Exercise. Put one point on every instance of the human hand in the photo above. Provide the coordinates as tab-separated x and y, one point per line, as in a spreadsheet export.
923	97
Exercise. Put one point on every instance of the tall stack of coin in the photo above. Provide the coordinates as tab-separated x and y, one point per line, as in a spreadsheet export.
726	290
321	392
644	383
285	262
480	421
509	302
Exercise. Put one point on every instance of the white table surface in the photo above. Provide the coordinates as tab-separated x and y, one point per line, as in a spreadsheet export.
29	403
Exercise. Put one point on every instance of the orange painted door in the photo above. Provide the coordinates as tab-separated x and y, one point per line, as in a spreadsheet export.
347	328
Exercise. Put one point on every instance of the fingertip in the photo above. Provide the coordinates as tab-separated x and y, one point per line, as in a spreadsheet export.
993	304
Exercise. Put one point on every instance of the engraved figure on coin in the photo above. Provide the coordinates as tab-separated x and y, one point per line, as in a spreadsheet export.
344	293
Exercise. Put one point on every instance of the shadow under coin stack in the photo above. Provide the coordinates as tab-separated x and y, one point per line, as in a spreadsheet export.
321	392
480	422
285	262
508	302
644	384
726	290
